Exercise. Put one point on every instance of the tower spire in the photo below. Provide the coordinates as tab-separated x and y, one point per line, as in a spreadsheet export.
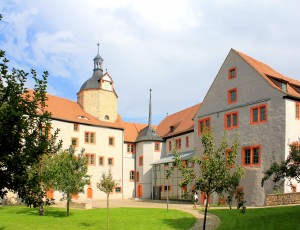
98	61
150	111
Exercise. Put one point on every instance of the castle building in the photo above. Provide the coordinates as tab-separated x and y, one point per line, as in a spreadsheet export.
247	97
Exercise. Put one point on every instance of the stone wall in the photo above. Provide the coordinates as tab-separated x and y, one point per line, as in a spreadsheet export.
283	199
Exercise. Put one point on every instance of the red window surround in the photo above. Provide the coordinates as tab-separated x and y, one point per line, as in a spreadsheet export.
130	148
297	110
156	146
251	156
231	120
258	114
141	161
203	124
231	73
187	142
91	158
178	143
232	96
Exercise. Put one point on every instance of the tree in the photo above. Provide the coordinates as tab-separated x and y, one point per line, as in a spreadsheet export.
107	184
287	169
25	133
66	173
216	168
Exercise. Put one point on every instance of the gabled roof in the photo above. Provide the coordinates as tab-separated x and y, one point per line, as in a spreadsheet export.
131	131
272	76
181	122
70	111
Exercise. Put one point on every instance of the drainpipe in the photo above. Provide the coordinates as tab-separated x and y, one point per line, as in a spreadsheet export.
123	164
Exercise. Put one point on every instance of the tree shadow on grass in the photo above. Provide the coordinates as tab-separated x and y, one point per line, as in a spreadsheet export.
52	213
180	223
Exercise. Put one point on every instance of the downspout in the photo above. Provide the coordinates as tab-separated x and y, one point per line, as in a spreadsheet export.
123	164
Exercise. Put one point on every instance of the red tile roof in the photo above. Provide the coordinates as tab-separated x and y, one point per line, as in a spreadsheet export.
268	73
182	122
132	130
70	111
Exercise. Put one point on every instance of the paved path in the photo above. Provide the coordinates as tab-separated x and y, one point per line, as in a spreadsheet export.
212	221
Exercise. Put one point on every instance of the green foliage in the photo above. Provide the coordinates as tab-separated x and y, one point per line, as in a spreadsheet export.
288	169
217	170
66	173
25	133
122	218
107	183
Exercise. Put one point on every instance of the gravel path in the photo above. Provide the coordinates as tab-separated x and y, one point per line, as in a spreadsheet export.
212	221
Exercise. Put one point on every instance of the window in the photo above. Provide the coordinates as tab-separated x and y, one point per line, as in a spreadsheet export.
251	156
101	161
156	167
118	189
178	143
76	128
167	188
156	146
258	114
232	73
284	86
131	175
89	137
203	124
170	146
231	120
106	117
232	96
130	148
74	142
111	141
141	161
187	142
166	165
297	111
137	176
90	158
110	161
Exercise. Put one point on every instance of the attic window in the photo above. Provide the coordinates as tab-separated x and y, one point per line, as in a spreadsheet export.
284	86
172	129
83	117
106	117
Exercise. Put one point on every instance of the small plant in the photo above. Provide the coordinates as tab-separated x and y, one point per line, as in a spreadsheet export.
239	196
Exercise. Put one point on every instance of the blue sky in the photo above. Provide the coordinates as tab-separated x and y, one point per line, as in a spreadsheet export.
175	47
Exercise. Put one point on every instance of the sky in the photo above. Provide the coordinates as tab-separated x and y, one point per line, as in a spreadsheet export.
174	47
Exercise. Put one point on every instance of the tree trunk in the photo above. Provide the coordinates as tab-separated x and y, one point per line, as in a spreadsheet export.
41	209
205	212
68	204
107	207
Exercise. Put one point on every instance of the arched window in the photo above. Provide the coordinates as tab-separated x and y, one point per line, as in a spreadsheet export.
106	117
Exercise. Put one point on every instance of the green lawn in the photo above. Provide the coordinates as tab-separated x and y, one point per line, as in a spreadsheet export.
19	217
260	218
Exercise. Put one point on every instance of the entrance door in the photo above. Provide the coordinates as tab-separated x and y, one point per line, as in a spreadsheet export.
139	190
157	193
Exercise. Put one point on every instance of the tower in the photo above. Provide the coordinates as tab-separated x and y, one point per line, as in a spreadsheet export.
97	95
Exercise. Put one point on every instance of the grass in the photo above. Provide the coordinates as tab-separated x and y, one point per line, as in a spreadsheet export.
259	218
20	217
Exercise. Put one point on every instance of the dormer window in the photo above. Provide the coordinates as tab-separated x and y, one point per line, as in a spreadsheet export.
284	86
172	129
83	117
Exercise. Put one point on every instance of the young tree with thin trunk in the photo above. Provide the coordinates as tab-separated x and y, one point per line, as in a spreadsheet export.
215	167
107	184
